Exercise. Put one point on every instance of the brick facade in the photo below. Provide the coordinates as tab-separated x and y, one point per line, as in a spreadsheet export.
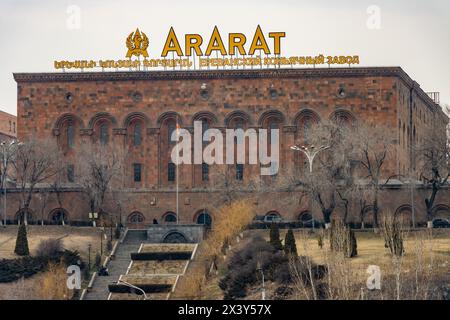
8	130
118	101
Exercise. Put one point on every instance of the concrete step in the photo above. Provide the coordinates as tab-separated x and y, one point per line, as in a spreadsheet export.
116	267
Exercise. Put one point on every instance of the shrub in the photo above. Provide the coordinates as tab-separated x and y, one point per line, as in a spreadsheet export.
393	235
245	267
52	286
49	248
289	243
275	237
22	241
283	292
342	239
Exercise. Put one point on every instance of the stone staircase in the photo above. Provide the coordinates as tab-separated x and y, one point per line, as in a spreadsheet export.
157	268
118	265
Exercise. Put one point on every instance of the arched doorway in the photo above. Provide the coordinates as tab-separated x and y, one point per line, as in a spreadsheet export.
169	217
204	218
175	237
24	216
403	215
136	220
306	219
441	216
441	211
58	216
367	219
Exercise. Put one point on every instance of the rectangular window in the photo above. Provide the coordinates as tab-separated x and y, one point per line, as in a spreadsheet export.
205	172
70	135
239	171
170	129
137	171
137	135
70	173
171	171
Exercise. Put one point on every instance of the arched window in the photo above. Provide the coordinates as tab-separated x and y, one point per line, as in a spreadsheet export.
137	134
204	218
104	137
136	218
272	216
170	217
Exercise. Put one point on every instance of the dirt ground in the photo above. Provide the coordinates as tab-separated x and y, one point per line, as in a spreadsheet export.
73	238
371	251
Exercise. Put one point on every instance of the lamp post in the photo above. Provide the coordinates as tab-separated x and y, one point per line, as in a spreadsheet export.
263	288
89	257
134	287
310	152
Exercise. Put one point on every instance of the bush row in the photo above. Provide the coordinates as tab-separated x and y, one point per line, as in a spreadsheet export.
161	256
14	269
148	288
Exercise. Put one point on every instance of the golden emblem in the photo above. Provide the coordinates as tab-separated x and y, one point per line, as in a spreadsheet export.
137	44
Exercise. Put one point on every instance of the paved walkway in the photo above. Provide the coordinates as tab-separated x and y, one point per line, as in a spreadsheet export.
117	266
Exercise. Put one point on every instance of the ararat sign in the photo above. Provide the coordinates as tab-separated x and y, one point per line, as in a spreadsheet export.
192	51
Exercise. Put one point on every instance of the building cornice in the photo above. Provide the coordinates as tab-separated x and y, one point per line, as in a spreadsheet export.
225	74
211	74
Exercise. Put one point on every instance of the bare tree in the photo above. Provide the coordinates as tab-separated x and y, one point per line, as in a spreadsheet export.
434	157
331	175
7	154
100	171
43	195
373	150
36	161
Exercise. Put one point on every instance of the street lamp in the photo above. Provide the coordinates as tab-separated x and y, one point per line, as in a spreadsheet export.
134	287
310	152
263	288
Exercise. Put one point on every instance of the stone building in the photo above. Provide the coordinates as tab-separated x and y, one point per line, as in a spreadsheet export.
8	130
139	110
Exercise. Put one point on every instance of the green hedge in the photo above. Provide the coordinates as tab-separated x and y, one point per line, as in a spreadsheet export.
148	288
14	269
142	256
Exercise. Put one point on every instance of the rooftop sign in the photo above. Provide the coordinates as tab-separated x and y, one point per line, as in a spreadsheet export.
194	52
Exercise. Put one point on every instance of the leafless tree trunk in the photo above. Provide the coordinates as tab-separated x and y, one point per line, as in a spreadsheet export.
36	162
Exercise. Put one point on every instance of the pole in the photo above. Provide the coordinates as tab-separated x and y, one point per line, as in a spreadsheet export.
89	256
4	188
176	170
101	243
111	229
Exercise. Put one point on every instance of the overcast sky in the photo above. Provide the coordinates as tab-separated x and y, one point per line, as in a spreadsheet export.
413	34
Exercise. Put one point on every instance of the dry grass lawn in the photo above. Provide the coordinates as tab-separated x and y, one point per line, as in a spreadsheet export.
73	238
371	251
